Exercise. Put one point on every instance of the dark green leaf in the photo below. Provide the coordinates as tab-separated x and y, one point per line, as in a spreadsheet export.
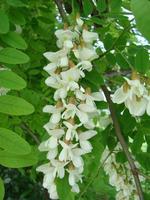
15	106
13	143
9	79
13	56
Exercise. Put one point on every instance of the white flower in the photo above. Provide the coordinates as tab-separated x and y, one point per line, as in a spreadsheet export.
52	190
131	93
89	37
51	145
72	74
74	177
72	110
71	130
59	58
59	170
71	153
65	38
85	54
48	172
3	91
90	98
85	65
83	140
56	113
64	87
136	106
50	68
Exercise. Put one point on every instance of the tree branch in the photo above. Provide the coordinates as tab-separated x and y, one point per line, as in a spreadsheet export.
122	142
62	12
25	127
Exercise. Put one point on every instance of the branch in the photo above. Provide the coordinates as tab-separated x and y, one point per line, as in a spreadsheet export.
25	127
62	12
123	143
111	74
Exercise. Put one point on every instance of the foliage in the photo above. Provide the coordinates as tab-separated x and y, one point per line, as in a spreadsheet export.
26	32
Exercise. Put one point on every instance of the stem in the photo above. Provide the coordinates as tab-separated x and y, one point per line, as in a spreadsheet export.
122	142
25	127
62	12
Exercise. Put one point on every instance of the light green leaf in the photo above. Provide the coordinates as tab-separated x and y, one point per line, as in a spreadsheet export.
141	11
15	40
64	190
13	56
2	190
4	22
9	79
12	105
18	161
12	142
142	63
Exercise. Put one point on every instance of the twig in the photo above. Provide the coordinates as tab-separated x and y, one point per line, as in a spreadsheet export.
62	12
25	127
111	74
123	143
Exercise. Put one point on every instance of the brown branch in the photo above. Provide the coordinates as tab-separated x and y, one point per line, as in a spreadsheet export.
25	127
122	142
62	12
111	74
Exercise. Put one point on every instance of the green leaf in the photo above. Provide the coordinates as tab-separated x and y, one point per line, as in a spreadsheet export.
64	190
15	3
13	56
87	7
12	105
15	40
141	12
11	160
12	142
11	80
4	22
142	63
2	190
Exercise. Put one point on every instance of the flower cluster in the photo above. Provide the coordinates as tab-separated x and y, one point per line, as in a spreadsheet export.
120	175
71	123
135	96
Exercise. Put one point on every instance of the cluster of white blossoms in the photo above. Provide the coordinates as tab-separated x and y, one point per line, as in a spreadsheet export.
120	175
71	123
135	95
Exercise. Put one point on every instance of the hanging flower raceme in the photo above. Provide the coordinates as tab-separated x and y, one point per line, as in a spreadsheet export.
71	123
120	175
134	95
